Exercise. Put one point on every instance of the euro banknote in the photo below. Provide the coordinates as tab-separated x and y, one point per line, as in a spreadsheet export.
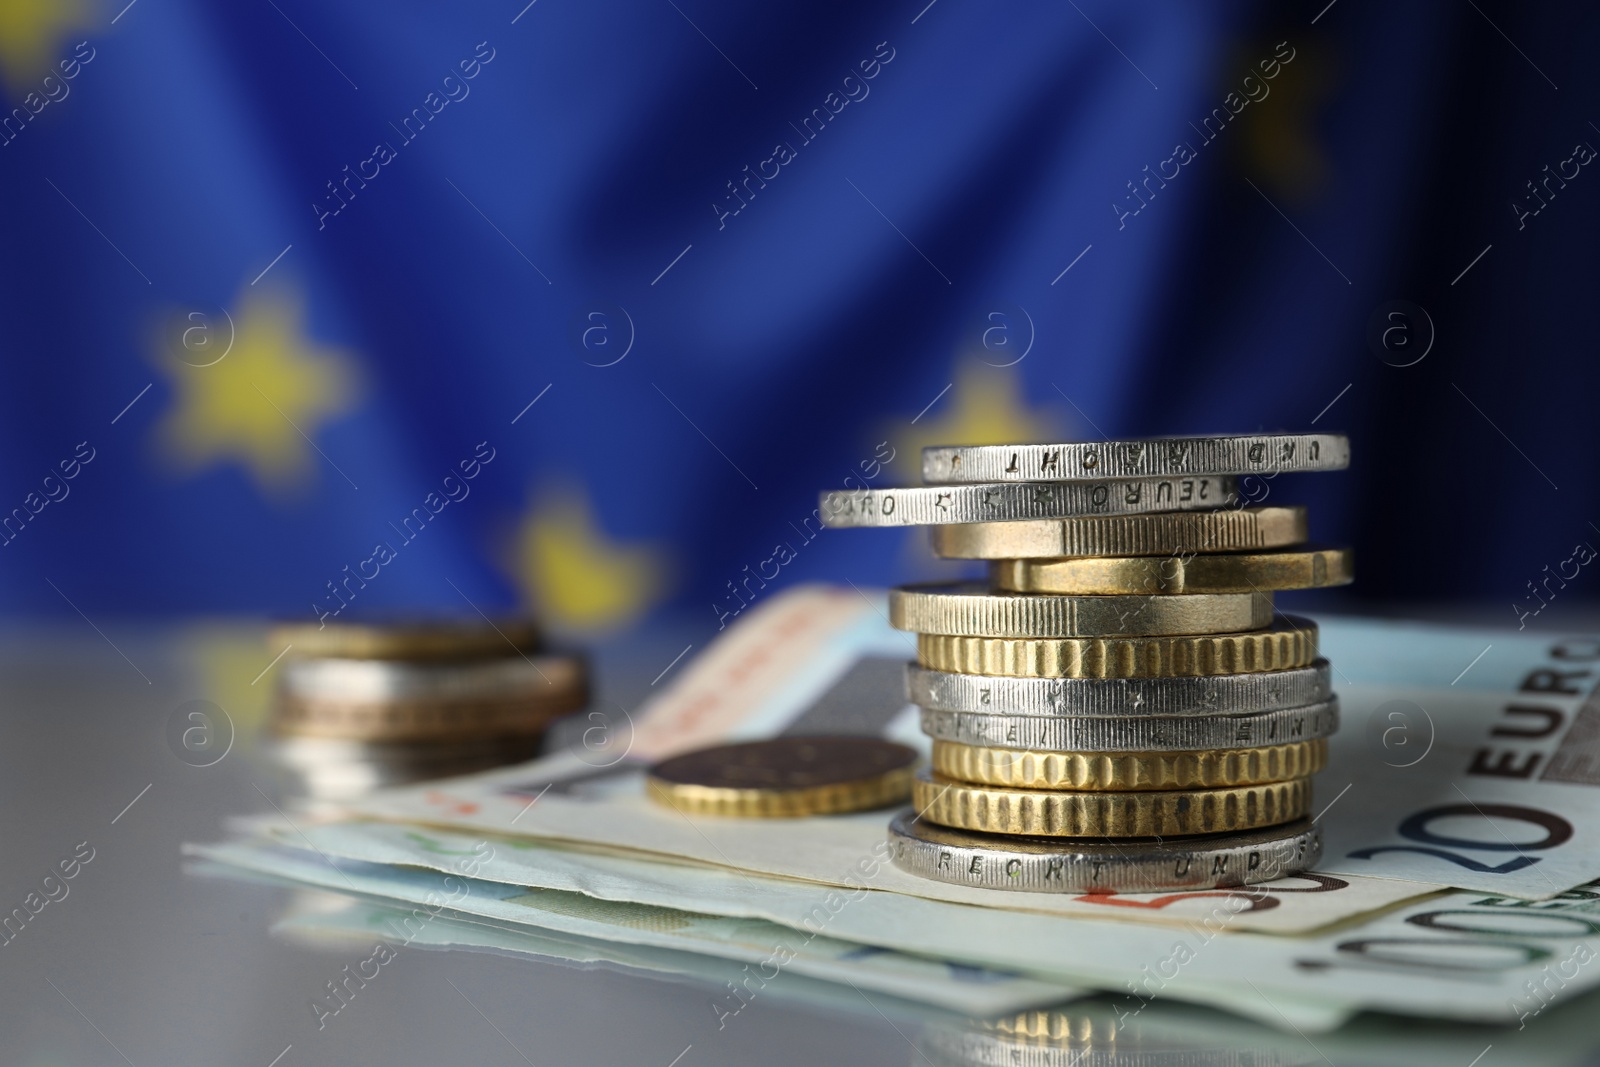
1298	904
1467	759
1458	955
761	947
1089	1027
343	921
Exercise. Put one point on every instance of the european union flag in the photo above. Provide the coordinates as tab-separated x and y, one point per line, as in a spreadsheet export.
318	308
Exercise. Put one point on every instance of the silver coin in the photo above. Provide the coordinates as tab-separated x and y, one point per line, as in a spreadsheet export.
1155	457
1223	694
1135	865
311	752
337	769
937	505
364	680
1152	733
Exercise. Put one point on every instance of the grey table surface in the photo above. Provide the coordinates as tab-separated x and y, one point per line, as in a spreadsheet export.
145	962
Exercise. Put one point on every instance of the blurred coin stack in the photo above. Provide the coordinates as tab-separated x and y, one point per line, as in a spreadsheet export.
1119	708
365	705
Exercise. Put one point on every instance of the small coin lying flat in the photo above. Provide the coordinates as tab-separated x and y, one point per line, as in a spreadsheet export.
1128	865
786	777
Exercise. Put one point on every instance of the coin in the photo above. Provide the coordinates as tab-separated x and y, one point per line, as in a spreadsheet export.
1044	865
971	609
409	639
1127	771
1152	733
366	701
1226	694
335	769
785	777
1166	534
1290	642
929	505
407	720
1170	456
995	810
339	678
1245	572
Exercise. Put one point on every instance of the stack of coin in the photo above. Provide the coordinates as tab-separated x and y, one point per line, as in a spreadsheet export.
1119	708
364	705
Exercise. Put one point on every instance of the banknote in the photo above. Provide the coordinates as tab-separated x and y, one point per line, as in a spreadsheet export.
1471	956
1467	759
1298	904
1456	955
1459	955
1181	1032
765	949
849	939
348	921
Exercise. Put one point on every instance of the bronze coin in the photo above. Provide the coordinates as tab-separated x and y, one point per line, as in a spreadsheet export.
786	776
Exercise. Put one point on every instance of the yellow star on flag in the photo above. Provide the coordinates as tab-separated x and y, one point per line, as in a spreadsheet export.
579	577
261	402
31	32
984	406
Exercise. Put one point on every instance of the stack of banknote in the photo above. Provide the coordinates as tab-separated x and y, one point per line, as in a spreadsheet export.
1460	875
365	705
1120	708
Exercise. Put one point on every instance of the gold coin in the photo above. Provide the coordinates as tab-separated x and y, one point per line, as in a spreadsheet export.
411	639
1124	771
1243	572
1290	642
995	810
438	718
786	777
972	609
1160	534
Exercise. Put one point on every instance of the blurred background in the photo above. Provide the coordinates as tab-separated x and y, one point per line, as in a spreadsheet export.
316	309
